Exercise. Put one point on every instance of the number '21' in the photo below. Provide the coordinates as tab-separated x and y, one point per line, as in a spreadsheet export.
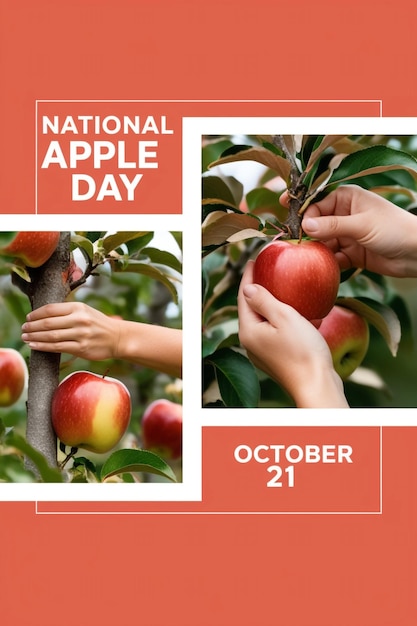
275	480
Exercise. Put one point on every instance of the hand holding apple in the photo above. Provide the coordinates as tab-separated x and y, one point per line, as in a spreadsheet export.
347	335
303	274
32	248
162	428
287	347
13	376
90	411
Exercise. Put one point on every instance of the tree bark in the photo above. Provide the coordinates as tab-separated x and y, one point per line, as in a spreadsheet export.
49	284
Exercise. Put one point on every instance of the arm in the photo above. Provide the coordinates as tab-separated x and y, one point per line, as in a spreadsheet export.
80	330
287	347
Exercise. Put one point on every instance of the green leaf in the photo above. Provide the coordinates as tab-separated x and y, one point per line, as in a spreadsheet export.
163	258
212	150
214	187
12	470
85	245
112	242
6	238
381	316
262	200
153	272
237	378
124	461
47	473
374	160
323	142
2	430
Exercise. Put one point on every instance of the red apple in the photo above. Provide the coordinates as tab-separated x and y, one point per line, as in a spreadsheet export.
162	428
90	411
347	335
303	274
32	248
13	376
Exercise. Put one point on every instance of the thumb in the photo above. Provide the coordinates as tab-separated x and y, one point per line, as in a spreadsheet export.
262	302
327	227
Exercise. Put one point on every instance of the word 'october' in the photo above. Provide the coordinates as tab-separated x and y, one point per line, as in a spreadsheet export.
100	152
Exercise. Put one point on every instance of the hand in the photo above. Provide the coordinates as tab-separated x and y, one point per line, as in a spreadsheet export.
78	329
74	328
287	347
364	230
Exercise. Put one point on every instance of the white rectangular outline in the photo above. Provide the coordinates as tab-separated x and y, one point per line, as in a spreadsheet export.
379	512
189	101
119	219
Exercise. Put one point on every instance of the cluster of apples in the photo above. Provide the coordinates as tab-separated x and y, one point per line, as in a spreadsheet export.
306	275
93	412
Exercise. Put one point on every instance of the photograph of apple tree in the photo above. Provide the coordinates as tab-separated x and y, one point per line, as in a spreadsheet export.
243	178
92	417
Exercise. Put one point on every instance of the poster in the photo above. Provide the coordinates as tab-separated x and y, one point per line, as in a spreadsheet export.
292	516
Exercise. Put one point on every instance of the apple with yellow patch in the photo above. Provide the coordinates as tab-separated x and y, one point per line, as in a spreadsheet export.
91	411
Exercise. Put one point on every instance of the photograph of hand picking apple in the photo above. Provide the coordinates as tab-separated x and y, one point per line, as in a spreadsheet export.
324	272
90	357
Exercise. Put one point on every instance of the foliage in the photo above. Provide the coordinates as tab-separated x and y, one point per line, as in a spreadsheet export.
241	212
134	275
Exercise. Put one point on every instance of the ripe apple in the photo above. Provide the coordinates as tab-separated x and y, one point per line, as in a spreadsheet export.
90	411
32	248
347	335
303	274
13	376
162	428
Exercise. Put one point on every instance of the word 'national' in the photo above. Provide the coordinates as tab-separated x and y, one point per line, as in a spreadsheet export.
110	125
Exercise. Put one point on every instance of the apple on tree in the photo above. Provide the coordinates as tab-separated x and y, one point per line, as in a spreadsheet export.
347	335
91	411
303	274
33	249
162	428
13	376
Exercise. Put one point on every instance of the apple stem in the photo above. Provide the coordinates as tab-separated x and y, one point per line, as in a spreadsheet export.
69	456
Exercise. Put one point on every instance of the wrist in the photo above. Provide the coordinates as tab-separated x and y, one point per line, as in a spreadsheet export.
321	389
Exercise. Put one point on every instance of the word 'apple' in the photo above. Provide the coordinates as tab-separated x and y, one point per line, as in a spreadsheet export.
90	411
13	376
347	335
303	274
162	428
32	248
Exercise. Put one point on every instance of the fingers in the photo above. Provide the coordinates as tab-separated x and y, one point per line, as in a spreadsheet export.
246	313
68	347
58	309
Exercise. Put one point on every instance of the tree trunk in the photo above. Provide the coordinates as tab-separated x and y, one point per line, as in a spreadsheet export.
49	284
